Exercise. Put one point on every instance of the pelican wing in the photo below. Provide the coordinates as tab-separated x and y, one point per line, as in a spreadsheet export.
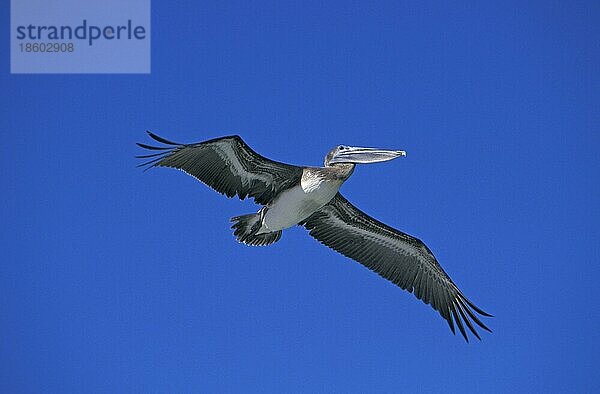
398	257
226	164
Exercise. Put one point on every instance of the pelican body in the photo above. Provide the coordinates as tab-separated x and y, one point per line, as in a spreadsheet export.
317	187
299	202
309	196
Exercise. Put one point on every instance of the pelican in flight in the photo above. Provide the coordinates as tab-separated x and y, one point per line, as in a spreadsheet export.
309	196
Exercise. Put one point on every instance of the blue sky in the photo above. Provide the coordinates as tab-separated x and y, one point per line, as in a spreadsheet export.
118	280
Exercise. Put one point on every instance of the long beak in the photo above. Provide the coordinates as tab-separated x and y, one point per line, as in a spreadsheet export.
358	155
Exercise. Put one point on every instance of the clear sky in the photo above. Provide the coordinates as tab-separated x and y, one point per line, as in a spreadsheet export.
117	280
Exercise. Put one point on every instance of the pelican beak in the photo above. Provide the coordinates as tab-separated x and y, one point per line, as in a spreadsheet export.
358	155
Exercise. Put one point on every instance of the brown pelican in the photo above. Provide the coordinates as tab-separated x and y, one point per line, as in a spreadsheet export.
309	196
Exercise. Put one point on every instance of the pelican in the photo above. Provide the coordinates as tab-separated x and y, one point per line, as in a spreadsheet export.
309	196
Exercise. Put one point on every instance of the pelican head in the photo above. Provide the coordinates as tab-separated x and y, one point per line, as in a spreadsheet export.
359	155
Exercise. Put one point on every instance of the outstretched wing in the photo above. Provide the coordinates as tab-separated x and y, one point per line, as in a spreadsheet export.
398	257
227	165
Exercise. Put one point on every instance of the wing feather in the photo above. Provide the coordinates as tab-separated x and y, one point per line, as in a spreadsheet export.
227	165
396	256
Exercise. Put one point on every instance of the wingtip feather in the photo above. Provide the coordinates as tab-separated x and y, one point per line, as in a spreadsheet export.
161	139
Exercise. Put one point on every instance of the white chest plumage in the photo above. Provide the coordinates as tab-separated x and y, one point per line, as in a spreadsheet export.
299	202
